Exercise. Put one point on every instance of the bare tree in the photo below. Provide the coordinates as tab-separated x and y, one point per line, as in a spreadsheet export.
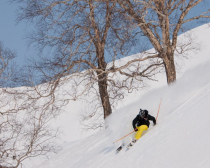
25	130
161	21
24	122
84	37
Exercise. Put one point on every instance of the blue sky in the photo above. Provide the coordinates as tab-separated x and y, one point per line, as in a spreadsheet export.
13	34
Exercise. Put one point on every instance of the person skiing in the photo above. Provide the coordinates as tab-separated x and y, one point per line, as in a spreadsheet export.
141	123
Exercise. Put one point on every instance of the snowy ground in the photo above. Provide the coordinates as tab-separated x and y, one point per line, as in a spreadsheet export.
179	140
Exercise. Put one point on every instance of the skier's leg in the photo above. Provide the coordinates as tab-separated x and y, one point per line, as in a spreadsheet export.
138	134
140	131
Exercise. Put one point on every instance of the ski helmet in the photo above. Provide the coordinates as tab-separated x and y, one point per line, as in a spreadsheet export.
142	113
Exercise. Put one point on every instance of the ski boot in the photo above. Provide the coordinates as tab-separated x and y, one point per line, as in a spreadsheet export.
132	143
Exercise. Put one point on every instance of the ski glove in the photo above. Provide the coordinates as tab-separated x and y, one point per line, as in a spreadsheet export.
154	122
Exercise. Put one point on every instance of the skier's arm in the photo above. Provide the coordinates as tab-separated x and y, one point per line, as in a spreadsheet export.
152	119
134	122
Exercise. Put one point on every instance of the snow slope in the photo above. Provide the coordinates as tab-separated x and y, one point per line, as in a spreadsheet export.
179	140
69	121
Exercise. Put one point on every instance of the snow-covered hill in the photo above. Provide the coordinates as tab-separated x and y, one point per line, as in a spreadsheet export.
179	140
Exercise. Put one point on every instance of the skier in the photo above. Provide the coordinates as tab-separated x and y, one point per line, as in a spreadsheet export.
141	123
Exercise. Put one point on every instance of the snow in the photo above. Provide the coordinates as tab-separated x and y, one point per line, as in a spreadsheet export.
180	138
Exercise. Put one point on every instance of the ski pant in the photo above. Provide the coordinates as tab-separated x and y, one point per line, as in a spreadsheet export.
140	131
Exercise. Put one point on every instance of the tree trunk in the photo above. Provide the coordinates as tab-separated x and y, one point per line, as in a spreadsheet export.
102	84
169	64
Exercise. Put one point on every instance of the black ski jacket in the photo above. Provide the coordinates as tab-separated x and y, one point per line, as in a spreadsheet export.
138	121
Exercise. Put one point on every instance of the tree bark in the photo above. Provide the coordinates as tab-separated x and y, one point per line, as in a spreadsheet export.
169	64
102	84
99	42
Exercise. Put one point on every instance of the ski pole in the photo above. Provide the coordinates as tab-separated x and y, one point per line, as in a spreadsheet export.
125	136
158	109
